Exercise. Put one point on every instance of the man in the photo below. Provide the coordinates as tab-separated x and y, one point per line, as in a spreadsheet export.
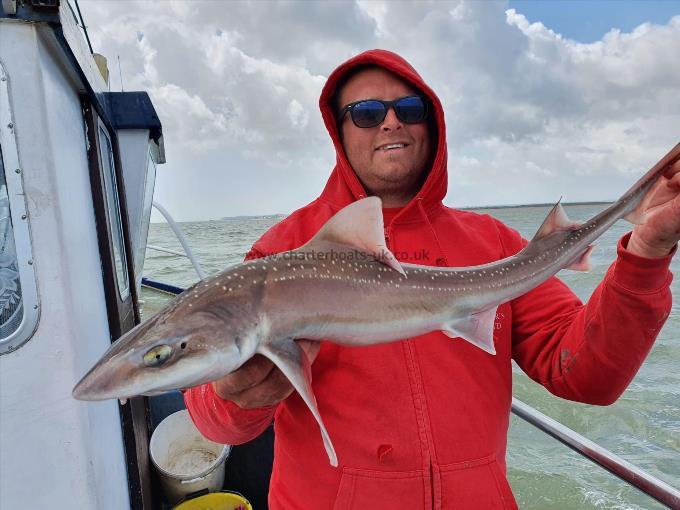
422	423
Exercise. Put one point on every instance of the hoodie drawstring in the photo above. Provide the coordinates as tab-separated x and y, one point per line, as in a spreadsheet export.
441	261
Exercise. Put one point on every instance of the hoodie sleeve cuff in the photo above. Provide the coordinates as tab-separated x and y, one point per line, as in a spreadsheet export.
641	274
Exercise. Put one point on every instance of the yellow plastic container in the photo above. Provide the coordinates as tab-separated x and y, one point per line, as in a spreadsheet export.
216	501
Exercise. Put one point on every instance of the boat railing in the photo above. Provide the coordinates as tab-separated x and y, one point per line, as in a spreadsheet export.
635	476
166	250
181	238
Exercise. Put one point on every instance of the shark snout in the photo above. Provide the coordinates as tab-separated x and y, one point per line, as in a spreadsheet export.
96	385
83	390
109	378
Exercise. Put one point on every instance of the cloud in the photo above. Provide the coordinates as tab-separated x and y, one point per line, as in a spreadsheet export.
535	114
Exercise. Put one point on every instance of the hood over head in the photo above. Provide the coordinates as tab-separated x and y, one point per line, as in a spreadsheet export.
343	186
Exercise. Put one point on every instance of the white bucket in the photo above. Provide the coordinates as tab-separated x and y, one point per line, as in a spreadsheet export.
186	461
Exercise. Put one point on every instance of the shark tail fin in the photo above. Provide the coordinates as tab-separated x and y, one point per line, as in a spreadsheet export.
292	361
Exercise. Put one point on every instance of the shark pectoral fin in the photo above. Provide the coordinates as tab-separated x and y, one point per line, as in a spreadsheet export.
582	263
556	221
477	329
359	225
293	362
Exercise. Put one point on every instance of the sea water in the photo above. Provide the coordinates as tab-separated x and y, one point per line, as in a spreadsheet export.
643	426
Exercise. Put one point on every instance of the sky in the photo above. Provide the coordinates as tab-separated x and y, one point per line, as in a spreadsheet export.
543	99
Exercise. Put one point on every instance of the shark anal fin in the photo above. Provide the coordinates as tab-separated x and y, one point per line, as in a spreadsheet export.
293	362
477	329
582	263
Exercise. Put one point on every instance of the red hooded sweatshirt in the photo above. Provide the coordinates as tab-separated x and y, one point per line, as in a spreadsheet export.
422	423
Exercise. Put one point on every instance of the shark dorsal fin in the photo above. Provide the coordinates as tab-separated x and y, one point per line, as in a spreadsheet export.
359	225
556	221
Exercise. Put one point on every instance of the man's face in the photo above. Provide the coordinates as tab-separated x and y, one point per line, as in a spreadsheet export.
395	175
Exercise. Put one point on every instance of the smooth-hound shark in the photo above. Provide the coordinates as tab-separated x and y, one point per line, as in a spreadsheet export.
346	287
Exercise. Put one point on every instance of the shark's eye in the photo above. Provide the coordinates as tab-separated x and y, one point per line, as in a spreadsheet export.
157	356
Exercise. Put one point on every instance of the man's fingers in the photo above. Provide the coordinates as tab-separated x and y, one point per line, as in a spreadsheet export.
252	373
674	181
258	382
272	390
672	170
664	225
275	387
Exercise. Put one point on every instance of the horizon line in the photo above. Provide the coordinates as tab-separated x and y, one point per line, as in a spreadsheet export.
466	208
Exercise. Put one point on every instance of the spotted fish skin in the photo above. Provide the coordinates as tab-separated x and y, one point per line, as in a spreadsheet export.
343	286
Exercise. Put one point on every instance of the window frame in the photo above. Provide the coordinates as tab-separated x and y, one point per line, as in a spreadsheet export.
145	216
123	314
20	224
114	213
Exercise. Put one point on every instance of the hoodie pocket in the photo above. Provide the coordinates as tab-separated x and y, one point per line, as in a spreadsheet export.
476	483
362	488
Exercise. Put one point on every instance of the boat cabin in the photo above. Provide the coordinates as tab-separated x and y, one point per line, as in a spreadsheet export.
77	172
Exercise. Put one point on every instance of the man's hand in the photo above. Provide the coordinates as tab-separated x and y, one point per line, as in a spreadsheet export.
661	231
258	383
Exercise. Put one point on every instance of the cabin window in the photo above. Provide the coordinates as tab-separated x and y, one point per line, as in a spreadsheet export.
11	304
145	217
113	211
19	308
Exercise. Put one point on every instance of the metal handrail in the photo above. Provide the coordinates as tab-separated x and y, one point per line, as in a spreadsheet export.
82	24
630	473
167	288
180	237
166	250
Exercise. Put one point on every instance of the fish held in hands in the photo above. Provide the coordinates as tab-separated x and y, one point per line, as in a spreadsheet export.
344	286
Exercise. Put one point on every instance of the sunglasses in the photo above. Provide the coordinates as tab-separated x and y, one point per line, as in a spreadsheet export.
369	113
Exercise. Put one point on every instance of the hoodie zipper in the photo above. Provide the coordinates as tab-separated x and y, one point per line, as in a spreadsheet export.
420	404
418	393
